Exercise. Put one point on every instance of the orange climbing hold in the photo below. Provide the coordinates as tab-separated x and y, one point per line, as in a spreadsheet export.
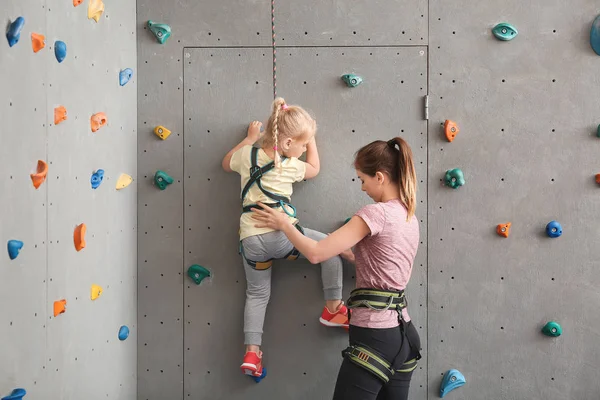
38	42
97	121
59	307
79	237
503	229
450	129
77	2
60	115
40	176
598	179
95	9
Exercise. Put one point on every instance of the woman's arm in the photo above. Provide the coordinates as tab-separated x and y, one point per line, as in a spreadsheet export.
313	164
339	241
251	138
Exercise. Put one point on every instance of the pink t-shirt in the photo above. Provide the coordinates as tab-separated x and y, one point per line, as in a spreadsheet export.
384	258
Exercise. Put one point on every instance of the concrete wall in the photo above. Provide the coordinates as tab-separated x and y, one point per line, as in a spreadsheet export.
76	354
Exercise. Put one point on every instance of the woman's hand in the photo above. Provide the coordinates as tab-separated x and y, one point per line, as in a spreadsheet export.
348	255
254	131
268	217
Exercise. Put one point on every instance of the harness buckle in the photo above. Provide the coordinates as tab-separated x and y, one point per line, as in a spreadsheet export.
255	172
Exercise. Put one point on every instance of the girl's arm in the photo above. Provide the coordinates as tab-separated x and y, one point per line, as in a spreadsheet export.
339	241
251	138
313	164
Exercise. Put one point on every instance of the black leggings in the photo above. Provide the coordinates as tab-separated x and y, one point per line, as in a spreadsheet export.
356	383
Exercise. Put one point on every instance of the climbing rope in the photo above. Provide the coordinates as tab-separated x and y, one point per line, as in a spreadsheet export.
274	49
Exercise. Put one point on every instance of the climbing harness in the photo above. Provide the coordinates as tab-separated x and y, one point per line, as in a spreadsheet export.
256	173
262	265
368	358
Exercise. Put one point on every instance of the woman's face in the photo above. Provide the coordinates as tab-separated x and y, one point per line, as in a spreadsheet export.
372	185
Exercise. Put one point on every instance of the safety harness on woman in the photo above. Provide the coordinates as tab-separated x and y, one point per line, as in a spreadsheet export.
368	358
256	173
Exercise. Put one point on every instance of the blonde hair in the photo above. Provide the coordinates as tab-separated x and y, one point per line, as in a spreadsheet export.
287	122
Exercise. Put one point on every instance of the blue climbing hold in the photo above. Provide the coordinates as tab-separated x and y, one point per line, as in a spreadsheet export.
125	75
262	376
16	394
13	248
97	178
123	333
452	379
595	35
60	50
14	31
553	229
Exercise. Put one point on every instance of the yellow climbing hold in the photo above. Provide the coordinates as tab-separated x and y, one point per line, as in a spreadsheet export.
96	291
162	132
124	181
95	9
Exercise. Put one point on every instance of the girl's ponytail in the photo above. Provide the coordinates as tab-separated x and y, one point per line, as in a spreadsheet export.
278	105
407	177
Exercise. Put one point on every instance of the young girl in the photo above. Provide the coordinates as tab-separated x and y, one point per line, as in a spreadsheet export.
267	175
384	344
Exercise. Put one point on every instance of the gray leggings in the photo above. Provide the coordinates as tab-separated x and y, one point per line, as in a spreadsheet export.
258	290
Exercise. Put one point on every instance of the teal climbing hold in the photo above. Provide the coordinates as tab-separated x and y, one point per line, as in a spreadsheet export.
125	75
13	34
454	178
452	379
162	179
347	220
552	329
16	394
60	50
161	31
595	35
198	273
123	332
13	248
505	31
352	80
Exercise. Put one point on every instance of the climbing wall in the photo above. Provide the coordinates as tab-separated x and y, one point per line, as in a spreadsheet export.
210	78
527	110
76	354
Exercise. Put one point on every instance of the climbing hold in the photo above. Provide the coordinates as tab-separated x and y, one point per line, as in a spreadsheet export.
77	2
123	181
38	42
595	35
552	329
198	273
60	50
162	132
79	236
505	31
454	178
352	80
598	131
13	248
97	121
262	376
598	179
40	176
123	332
553	229
450	129
16	394
162	179
161	31
59	307
452	379
95	9
125	75
96	291
97	178
503	229
60	115
14	31
347	220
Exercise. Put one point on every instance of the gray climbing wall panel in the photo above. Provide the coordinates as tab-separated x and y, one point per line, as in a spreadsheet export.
528	149
77	354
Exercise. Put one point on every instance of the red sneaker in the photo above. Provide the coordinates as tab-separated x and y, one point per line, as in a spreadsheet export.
252	364
337	319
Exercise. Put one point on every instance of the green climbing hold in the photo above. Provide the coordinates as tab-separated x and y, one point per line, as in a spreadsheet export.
552	329
162	179
454	178
198	273
352	80
347	220
505	31
161	31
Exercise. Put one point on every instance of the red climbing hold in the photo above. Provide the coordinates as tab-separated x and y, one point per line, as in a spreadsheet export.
598	179
60	115
40	176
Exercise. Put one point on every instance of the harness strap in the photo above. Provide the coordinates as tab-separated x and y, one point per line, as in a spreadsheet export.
379	300
370	360
256	173
263	265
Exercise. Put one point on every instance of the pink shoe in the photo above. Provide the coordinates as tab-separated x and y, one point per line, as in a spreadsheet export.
252	364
